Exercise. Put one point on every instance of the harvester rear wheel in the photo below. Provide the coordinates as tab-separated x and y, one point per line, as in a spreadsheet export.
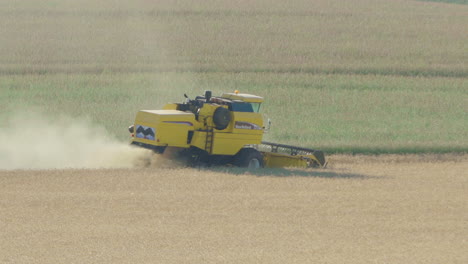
249	158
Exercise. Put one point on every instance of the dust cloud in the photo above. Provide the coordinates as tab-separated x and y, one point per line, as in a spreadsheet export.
37	141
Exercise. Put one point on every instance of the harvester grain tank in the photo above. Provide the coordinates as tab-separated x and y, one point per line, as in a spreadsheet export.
226	129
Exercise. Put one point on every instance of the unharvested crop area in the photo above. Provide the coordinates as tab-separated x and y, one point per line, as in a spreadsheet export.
361	76
390	209
358	76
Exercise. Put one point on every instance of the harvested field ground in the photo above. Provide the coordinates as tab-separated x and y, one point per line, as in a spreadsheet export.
362	209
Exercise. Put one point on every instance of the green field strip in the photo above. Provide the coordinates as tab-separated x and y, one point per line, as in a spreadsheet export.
400	150
460	2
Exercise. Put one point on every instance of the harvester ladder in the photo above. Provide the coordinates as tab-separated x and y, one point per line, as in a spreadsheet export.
209	140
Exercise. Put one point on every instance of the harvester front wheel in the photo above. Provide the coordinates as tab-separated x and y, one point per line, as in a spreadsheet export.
249	158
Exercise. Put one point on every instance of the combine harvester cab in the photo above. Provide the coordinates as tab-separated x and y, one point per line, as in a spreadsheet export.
217	130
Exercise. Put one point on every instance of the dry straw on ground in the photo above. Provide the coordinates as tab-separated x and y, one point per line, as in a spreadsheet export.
395	209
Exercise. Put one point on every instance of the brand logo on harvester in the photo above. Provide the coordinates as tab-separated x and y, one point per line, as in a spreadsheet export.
145	132
246	125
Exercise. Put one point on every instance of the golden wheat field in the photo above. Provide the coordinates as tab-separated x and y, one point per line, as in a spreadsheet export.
361	209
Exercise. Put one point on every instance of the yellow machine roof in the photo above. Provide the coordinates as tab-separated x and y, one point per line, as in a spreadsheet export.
250	98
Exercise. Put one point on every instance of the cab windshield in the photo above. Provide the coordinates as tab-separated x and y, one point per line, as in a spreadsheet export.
256	107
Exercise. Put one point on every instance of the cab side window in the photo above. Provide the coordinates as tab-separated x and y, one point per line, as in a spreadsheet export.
241	107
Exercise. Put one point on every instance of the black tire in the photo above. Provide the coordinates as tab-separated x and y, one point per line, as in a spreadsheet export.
221	118
249	158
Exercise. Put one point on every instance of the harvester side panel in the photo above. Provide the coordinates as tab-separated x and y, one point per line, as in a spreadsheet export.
223	143
164	127
231	143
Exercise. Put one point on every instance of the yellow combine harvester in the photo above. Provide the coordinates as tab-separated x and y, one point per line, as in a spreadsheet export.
227	129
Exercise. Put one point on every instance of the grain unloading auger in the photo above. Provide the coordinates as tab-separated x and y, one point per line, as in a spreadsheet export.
226	129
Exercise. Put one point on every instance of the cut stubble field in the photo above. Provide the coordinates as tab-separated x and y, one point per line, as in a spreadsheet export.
380	209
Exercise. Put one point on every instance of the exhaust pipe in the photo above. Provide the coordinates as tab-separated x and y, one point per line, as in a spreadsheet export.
207	96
